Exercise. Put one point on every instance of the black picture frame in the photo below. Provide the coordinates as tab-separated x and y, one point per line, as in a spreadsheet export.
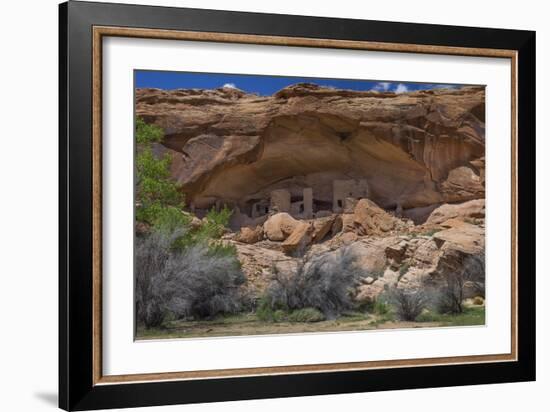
77	390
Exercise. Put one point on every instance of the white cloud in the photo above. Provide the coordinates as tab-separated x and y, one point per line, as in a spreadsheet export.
401	88
382	86
229	86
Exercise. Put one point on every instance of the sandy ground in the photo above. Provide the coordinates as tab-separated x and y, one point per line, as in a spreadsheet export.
228	327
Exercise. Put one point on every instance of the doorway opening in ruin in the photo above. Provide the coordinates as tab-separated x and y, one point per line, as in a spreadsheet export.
319	205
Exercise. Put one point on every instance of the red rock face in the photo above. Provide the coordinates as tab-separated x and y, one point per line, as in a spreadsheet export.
415	149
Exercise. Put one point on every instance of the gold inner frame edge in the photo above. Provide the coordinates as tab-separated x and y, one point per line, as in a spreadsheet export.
102	31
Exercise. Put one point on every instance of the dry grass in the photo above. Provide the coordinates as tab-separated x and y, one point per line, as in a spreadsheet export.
248	324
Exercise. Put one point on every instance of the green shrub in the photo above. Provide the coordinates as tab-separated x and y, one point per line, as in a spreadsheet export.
381	307
170	218
155	190
221	249
162	217
279	316
266	313
220	218
150	166
470	316
158	197
214	224
209	232
306	315
148	133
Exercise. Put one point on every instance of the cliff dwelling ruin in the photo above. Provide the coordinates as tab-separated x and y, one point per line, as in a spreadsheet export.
309	151
300	203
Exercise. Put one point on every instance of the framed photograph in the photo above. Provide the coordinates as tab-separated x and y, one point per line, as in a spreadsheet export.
256	206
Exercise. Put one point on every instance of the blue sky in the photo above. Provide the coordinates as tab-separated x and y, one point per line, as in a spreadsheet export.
264	85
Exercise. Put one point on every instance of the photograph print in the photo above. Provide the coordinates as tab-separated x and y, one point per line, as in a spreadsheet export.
284	205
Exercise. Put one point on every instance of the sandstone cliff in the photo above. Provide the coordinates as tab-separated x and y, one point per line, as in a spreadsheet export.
417	150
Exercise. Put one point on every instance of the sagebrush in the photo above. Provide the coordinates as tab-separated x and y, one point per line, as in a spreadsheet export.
193	282
451	295
325	283
408	303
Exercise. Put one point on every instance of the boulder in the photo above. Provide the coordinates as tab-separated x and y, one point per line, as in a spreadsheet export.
473	209
453	223
457	246
468	238
250	235
389	278
337	225
425	254
344	239
299	239
462	183
258	263
321	227
349	204
413	278
279	226
451	262
348	222
370	252
397	253
369	219
478	300
369	293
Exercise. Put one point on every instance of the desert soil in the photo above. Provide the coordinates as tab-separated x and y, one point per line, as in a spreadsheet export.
241	325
